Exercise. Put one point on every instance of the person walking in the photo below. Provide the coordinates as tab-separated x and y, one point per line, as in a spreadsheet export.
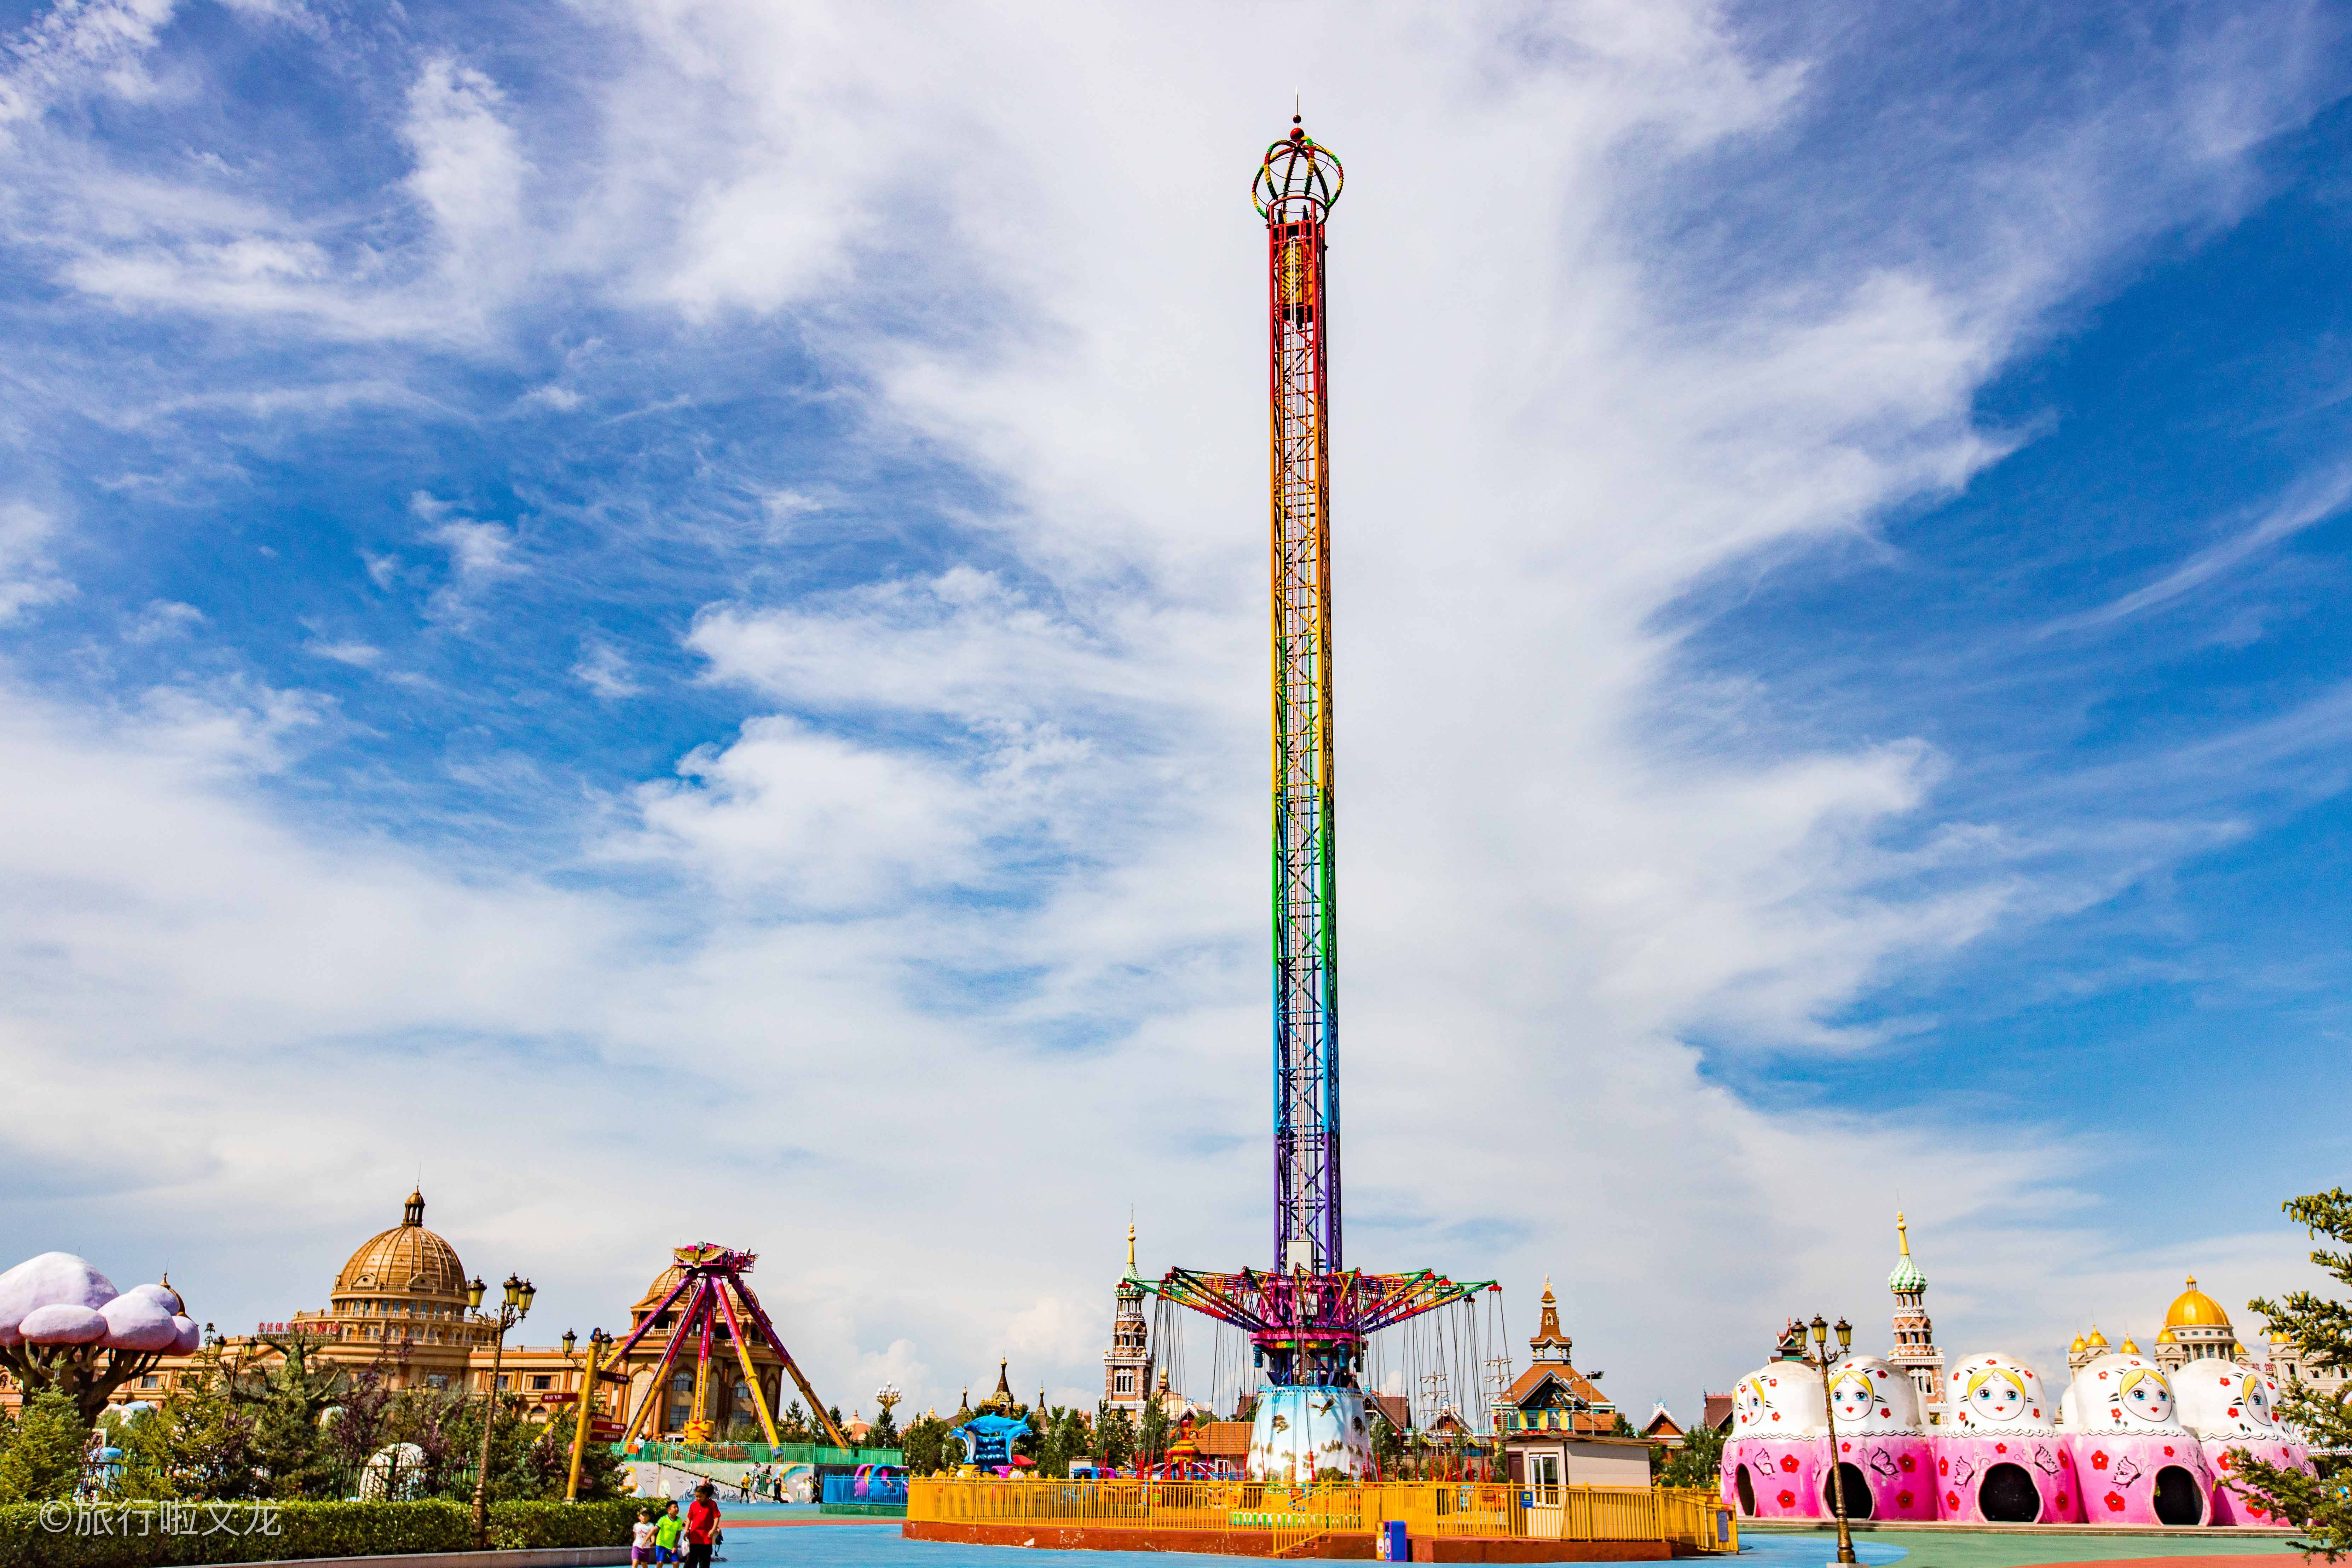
702	1526
667	1532
641	1540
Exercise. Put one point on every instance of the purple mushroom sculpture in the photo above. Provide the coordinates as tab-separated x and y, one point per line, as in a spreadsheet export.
63	1325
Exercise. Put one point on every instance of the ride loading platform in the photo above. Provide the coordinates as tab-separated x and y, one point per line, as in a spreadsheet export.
1419	1521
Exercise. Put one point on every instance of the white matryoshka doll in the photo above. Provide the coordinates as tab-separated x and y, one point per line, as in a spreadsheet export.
1888	1463
2000	1458
2225	1406
1772	1465
2139	1464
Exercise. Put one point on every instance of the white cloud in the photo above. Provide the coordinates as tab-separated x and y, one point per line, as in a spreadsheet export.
362	655
163	618
28	575
603	670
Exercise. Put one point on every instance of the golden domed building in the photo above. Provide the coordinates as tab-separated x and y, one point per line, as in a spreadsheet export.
2195	1329
400	1301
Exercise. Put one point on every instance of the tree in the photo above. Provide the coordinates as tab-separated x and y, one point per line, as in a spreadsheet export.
1114	1437
794	1425
361	1423
288	1399
1621	1427
931	1448
884	1434
1388	1443
209	1440
1697	1463
46	1443
1151	1434
2322	1330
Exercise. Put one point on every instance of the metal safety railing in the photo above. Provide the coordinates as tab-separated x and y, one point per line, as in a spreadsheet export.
1293	1515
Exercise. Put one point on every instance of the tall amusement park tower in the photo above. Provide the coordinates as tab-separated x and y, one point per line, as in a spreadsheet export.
1307	1317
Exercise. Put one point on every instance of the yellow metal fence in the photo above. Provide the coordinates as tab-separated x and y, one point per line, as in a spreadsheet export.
1293	1515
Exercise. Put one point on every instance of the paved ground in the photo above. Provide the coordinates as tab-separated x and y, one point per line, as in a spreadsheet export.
2034	1549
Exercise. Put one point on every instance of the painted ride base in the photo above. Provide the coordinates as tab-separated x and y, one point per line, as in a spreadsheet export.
1302	1435
1898	1467
1783	1478
2229	1506
1337	1546
2025	1476
2126	1481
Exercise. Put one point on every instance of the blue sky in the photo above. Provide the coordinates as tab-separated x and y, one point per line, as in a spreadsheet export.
654	610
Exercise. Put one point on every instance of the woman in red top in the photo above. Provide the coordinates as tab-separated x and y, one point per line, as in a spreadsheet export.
701	1526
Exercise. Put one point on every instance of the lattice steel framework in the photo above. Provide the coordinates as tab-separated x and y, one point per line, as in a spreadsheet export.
1297	186
1307	1317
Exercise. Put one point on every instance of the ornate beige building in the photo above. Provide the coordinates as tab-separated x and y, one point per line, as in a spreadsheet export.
2197	1328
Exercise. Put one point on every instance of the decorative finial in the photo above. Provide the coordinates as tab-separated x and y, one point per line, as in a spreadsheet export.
2192	1282
1130	1247
1902	1230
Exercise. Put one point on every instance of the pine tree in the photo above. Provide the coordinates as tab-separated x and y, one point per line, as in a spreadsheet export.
45	1447
2322	1330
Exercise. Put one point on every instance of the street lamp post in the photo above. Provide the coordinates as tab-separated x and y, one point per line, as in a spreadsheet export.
1821	1363
513	1310
888	1397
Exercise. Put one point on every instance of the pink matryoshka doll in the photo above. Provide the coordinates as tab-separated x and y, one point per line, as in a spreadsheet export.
1888	1463
2000	1458
1772	1465
2225	1406
2139	1464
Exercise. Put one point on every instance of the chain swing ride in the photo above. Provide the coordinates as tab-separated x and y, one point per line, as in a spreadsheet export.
1308	1317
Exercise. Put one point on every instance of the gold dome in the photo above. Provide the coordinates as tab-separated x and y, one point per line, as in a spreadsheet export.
2076	1346
2164	1337
2129	1348
407	1261
2192	1309
2097	1342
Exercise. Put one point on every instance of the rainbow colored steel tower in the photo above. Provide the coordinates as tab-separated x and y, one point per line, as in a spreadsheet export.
1296	188
1309	1316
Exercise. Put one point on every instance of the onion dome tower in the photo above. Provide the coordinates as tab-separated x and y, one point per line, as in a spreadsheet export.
1915	1353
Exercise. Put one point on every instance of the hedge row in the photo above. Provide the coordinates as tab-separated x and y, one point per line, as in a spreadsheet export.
168	1534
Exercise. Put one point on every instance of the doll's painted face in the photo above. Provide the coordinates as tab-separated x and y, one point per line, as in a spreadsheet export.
1748	1404
2258	1400
1852	1397
1998	1398
2144	1396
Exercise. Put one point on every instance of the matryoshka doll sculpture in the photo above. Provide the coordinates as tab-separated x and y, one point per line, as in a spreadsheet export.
1999	1457
2225	1406
2139	1464
1889	1464
1772	1465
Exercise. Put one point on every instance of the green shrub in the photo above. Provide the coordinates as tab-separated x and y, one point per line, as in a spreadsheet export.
167	1535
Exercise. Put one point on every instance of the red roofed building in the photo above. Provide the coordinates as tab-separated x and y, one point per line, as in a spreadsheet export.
1555	1423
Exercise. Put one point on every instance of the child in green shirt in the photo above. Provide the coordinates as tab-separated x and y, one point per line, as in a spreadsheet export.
666	1532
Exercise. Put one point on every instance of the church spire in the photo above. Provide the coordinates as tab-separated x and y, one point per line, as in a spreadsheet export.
1906	1280
1550	1341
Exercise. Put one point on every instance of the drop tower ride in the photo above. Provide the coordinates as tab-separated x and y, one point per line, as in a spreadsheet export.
1307	1316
